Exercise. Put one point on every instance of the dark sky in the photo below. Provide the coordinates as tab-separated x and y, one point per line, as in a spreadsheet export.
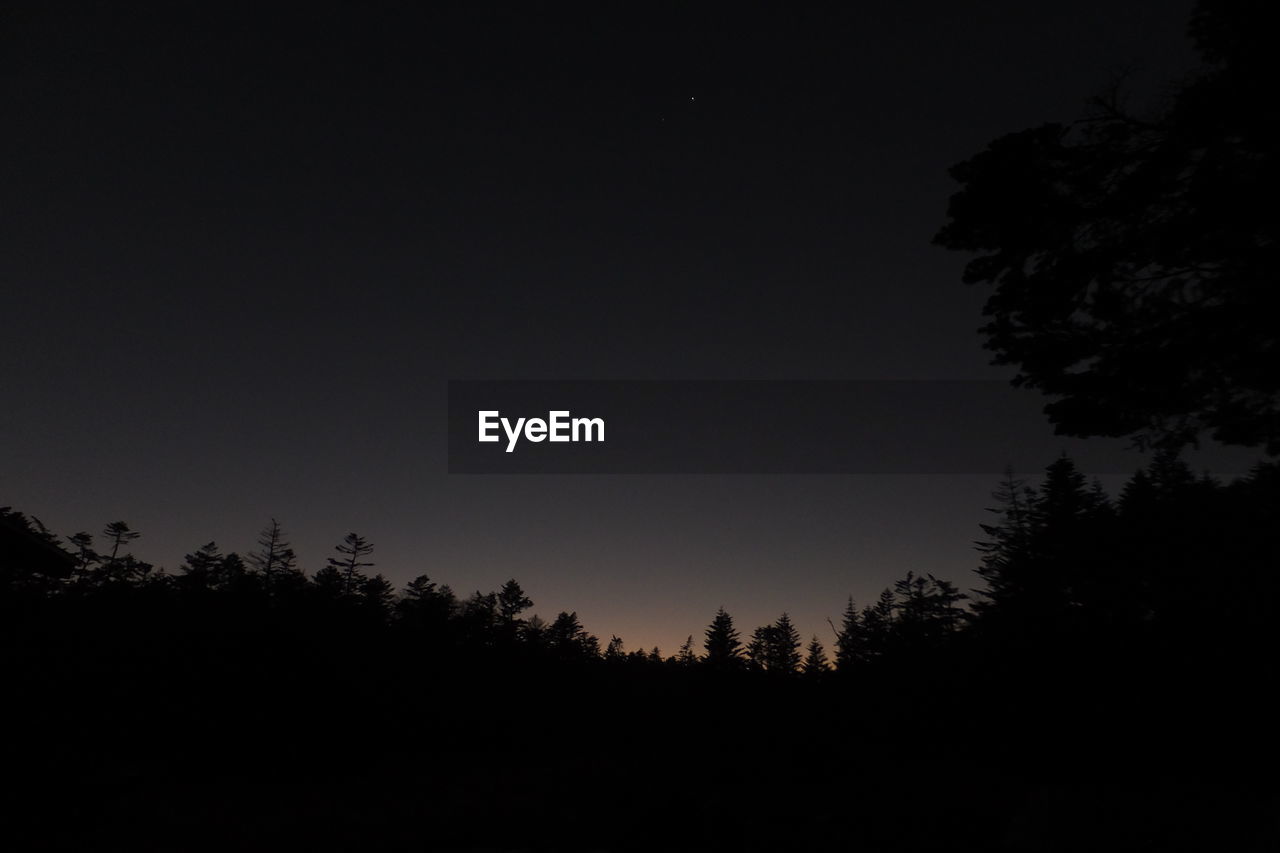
241	256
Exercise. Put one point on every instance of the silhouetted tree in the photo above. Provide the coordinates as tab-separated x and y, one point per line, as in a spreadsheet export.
377	596
723	647
200	569
815	659
776	647
350	564
424	605
86	557
1006	547
927	610
511	603
878	625
477	618
32	561
569	640
687	656
760	647
785	654
274	561
849	639
120	566
533	633
1132	255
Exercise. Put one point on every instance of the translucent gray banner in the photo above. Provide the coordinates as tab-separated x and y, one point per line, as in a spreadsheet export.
764	427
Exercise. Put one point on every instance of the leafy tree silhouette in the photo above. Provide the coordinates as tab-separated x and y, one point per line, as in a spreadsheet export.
1130	255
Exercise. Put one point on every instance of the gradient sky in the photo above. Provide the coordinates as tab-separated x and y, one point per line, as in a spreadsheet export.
241	257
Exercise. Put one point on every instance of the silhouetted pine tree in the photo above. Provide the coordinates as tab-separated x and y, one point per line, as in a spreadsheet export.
425	607
511	603
687	656
760	648
200	569
350	564
877	625
1005	553
377	598
784	656
568	640
815	660
723	647
120	566
274	562
927	610
477	619
849	640
533	633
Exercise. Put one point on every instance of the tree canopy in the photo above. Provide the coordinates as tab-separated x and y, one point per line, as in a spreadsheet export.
1133	254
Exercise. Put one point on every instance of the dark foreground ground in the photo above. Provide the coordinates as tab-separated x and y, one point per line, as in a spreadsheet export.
145	740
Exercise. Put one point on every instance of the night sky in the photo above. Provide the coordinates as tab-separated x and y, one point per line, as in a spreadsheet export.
241	257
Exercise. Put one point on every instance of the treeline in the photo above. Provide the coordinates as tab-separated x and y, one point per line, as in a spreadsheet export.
1119	655
1180	561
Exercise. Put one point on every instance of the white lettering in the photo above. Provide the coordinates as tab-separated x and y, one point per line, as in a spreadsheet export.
587	424
558	427
488	423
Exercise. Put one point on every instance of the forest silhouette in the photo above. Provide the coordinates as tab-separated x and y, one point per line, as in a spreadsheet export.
1110	679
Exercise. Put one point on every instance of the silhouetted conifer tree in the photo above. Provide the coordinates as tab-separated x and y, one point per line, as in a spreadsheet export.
350	564
723	647
568	639
120	566
784	654
759	647
815	660
511	603
377	596
200	569
849	651
687	656
274	561
86	557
